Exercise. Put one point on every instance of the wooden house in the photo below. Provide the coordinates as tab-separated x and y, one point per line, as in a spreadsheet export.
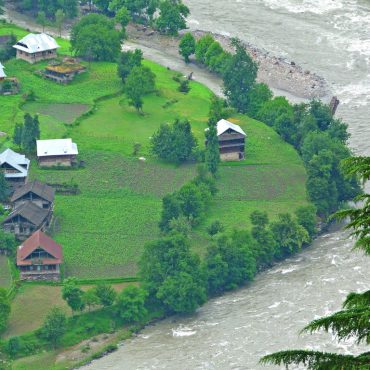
39	258
63	72
36	192
59	152
231	139
36	47
2	73
24	220
15	167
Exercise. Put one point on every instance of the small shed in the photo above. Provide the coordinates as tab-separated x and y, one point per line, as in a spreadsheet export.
56	152
39	258
35	47
64	72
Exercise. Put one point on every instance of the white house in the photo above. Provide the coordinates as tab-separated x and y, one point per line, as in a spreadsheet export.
14	166
2	73
35	47
57	152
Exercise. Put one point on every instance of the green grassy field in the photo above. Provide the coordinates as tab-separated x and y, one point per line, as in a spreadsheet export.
104	228
5	275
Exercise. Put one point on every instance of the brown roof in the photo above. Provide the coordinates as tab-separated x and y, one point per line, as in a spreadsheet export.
42	190
39	240
31	212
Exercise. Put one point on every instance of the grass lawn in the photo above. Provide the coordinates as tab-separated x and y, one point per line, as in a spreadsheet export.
104	228
5	275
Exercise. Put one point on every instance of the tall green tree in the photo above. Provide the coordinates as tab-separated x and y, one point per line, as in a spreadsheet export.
131	304
106	294
172	16
54	326
239	78
172	275
95	37
73	294
202	46
4	309
29	133
1	7
353	320
41	19
212	152
4	188
59	20
140	82
127	61
187	46
123	18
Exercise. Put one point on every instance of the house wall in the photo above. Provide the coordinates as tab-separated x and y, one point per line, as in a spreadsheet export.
65	161
233	156
36	57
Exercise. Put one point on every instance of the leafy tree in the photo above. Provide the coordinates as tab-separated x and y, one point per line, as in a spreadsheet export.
139	82
106	294
172	16
353	320
54	326
272	109
265	245
288	234
7	51
103	5
4	188
41	19
73	295
212	152
171	210
171	273
90	298
127	61
215	227
123	18
14	346
30	133
180	225
306	217
7	240
95	37
1	7
174	143
239	78
187	46
213	51
59	20
230	263
4	309
257	97
202	46
131	304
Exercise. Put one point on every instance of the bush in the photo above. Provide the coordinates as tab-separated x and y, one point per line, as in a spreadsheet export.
215	228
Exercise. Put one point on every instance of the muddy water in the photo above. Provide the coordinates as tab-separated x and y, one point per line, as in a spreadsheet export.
331	38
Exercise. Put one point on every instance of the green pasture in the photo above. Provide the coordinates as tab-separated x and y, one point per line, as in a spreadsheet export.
104	228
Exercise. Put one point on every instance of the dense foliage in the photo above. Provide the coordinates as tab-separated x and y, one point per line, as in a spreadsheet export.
94	37
49	7
187	46
353	321
54	326
174	143
26	134
131	304
4	309
7	51
172	16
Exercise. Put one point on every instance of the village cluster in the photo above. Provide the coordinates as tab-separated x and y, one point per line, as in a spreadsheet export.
32	203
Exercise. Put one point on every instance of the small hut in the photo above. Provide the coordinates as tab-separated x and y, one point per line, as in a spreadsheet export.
64	72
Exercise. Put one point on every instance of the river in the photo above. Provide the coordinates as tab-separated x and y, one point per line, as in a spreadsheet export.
331	38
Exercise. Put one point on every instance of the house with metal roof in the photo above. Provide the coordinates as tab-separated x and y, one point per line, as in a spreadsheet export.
35	47
231	139
36	192
2	73
24	220
39	258
57	152
15	166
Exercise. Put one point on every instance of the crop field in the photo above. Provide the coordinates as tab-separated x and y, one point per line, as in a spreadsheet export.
103	229
5	276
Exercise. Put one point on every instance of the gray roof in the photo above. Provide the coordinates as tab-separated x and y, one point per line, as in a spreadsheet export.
224	125
34	43
59	147
44	191
31	212
17	161
2	73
